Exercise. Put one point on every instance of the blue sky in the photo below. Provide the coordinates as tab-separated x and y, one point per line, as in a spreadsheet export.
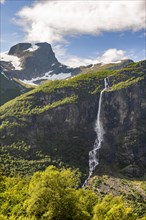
78	31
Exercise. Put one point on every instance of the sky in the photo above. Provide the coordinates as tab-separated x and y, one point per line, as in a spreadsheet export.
80	32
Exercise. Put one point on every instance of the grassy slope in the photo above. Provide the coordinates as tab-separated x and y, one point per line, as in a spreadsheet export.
133	191
9	89
82	85
15	114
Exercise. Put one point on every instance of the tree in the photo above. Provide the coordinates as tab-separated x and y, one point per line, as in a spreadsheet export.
113	208
13	196
53	195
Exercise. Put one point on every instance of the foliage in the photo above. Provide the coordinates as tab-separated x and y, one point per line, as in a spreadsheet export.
19	119
79	87
8	90
113	208
54	194
125	84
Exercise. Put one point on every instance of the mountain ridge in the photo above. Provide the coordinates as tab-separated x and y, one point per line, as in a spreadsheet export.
34	61
55	121
28	65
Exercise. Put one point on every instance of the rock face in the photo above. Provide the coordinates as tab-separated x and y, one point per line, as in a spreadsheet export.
124	120
8	89
63	135
55	124
18	49
35	61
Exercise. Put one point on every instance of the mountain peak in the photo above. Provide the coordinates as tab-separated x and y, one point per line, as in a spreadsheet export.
34	62
16	49
41	44
20	48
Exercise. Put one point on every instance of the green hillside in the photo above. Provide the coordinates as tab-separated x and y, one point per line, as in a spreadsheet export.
53	124
9	89
82	86
35	131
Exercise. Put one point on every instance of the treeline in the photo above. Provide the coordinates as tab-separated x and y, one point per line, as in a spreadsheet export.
55	195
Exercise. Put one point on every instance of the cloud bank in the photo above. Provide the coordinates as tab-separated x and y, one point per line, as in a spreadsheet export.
109	56
52	21
2	1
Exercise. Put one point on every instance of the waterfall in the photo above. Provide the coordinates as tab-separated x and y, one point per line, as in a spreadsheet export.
93	154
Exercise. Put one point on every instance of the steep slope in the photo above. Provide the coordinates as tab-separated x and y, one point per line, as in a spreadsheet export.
108	66
34	62
132	190
9	89
54	123
27	65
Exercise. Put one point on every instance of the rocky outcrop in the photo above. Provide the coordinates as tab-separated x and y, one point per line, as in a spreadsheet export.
35	61
19	49
124	120
63	135
8	89
46	126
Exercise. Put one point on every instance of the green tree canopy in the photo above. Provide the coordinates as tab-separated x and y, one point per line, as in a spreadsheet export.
113	208
52	195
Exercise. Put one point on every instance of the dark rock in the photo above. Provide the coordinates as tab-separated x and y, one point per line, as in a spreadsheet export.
133	171
18	48
66	132
35	62
124	116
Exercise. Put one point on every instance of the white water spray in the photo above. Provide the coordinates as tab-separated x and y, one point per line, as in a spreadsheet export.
93	154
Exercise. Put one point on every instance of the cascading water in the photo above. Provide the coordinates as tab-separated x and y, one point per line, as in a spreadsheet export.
93	154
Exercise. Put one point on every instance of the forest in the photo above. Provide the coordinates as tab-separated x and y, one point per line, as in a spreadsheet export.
56	194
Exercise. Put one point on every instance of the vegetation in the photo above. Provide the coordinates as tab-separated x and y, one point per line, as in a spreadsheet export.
132	190
81	86
126	83
18	116
54	194
24	85
9	89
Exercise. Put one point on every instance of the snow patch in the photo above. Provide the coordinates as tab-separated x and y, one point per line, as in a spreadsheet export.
14	60
32	48
59	76
48	73
92	67
106	62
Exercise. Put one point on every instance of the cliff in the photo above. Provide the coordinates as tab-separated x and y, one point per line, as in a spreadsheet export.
54	124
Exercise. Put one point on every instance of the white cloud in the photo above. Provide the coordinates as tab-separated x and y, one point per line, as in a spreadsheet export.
52	21
75	61
2	1
111	55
